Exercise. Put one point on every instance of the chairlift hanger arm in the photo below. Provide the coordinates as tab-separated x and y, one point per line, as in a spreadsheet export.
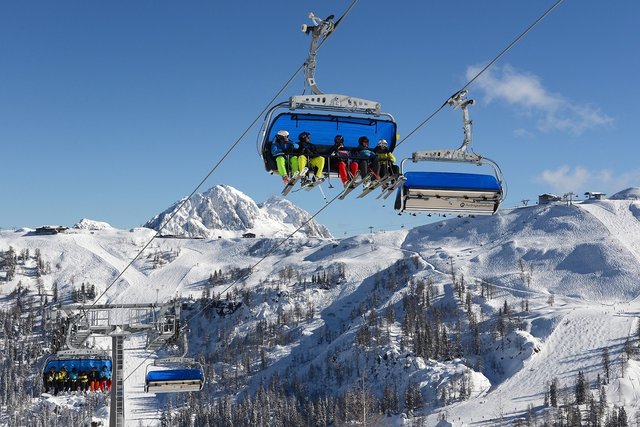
459	99
319	33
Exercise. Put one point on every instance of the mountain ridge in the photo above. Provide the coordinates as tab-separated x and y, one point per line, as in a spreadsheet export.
227	212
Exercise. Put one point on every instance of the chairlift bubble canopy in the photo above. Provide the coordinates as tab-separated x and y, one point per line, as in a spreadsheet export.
324	126
82	360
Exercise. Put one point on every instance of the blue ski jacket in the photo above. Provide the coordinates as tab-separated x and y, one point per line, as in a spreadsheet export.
280	148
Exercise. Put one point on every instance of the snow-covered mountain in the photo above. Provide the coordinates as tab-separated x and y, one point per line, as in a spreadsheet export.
89	224
478	316
224	211
632	193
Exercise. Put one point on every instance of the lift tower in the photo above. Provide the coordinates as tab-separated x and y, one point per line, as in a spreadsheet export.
118	321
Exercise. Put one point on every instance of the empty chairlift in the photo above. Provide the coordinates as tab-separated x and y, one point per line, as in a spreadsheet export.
451	192
174	375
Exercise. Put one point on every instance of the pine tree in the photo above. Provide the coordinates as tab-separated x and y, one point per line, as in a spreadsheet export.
467	303
622	418
390	399
606	364
581	388
390	315
553	392
602	402
593	416
413	397
574	417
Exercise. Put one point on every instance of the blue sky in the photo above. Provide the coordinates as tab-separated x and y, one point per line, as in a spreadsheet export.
114	110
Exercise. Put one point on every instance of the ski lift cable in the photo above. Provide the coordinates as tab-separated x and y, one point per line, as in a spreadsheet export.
213	169
485	68
236	281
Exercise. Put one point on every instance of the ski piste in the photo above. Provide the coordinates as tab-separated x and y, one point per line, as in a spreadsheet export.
349	186
371	185
293	180
391	187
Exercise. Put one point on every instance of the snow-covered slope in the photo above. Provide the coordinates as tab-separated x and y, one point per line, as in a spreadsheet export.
574	268
226	212
564	250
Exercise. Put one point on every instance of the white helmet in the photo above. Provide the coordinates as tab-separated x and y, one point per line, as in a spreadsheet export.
383	143
282	133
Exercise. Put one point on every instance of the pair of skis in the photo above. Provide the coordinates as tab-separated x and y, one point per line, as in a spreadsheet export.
349	186
388	184
372	184
391	187
310	185
293	180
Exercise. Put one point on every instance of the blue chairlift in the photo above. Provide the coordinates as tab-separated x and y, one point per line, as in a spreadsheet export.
452	192
81	359
324	115
174	375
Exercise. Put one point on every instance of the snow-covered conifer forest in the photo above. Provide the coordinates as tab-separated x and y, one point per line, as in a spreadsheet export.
528	317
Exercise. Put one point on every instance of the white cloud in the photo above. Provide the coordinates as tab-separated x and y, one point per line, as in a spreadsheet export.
564	180
522	133
525	91
580	179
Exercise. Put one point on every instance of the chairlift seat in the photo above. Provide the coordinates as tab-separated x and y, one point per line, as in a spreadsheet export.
452	181
175	375
449	192
174	380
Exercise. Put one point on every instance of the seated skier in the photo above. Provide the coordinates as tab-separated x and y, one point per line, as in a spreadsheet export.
386	161
340	156
284	151
309	155
367	160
